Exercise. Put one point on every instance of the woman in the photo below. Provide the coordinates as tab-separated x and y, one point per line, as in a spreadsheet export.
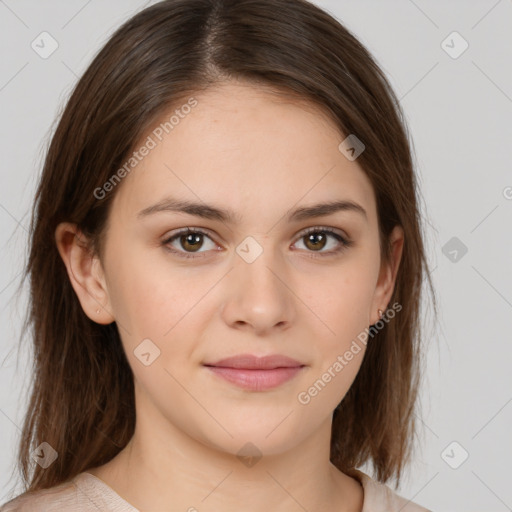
225	268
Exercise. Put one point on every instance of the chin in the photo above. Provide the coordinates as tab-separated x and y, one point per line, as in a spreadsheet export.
250	441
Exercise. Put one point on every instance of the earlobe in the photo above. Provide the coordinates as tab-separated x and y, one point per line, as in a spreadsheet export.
84	272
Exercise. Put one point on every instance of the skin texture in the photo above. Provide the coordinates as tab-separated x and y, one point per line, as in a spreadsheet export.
247	150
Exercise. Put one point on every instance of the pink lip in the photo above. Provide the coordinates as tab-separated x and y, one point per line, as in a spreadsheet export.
256	373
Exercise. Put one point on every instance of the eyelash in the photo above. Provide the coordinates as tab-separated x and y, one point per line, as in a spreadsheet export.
345	243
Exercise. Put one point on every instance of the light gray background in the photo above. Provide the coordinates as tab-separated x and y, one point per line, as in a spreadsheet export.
459	111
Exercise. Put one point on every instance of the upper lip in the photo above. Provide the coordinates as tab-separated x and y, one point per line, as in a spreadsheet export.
251	362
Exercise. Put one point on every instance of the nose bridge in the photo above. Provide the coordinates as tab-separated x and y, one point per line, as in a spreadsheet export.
257	264
257	294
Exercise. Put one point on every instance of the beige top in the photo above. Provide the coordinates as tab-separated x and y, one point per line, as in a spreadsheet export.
88	493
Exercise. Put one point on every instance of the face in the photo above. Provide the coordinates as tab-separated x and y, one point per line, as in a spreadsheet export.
249	271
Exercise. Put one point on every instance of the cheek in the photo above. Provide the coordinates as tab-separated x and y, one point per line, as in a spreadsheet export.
342	304
149	295
154	301
342	301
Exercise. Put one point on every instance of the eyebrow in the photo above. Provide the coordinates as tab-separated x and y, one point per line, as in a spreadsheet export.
211	212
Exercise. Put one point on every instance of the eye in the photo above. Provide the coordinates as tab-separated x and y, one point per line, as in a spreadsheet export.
317	238
188	241
191	241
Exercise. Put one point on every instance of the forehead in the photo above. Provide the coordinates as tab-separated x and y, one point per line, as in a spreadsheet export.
247	148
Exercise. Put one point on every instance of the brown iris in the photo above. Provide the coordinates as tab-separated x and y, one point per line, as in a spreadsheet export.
191	241
317	239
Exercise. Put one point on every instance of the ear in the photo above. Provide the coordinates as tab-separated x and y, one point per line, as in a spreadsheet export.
85	273
387	275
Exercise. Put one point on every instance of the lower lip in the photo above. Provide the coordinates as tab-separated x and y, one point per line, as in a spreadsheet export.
256	380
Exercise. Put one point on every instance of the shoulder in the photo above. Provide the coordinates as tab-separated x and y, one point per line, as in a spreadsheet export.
379	497
83	493
59	497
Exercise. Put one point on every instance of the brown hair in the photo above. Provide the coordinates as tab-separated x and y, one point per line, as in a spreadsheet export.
82	395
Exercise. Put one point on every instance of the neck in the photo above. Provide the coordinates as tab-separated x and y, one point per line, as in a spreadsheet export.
163	467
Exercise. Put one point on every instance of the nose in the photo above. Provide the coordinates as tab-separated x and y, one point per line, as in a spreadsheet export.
258	297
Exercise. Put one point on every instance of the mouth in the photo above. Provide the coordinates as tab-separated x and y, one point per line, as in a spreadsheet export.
256	373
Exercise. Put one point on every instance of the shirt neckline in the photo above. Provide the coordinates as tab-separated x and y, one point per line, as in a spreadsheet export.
86	477
88	480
